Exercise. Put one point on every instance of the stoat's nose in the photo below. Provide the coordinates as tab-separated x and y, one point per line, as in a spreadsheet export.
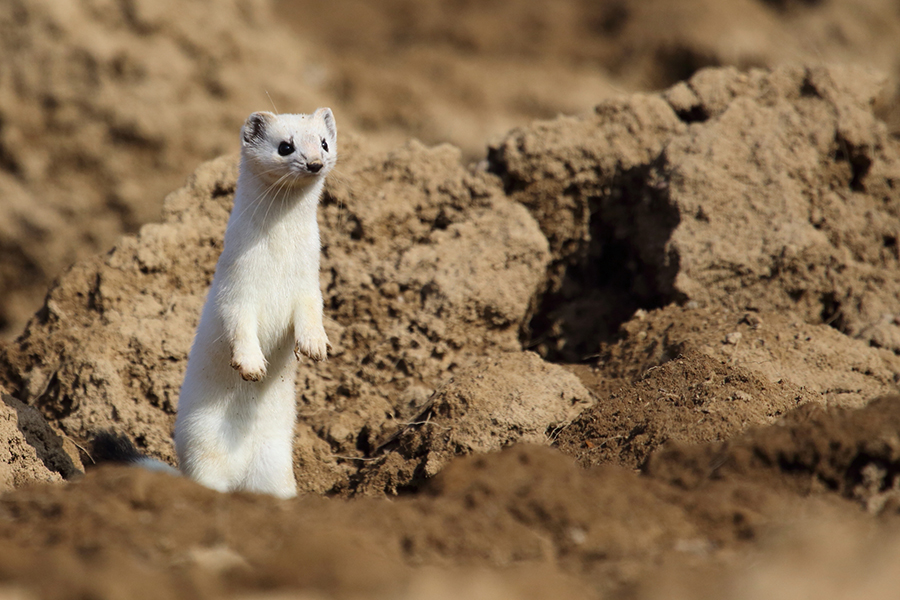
314	165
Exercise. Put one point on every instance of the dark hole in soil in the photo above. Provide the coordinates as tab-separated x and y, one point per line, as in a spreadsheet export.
786	5
679	63
696	114
832	313
624	266
859	162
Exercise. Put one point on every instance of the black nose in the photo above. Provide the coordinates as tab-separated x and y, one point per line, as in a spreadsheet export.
314	166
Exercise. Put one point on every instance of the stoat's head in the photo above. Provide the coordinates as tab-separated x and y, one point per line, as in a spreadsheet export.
289	149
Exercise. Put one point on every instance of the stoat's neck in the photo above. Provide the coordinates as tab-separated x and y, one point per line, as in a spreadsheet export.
266	205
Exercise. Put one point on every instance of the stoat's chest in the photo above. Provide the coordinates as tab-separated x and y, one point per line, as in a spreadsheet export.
286	257
269	267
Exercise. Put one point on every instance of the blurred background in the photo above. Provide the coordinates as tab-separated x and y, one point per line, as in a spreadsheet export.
108	105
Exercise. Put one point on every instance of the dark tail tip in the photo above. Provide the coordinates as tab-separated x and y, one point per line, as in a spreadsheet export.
107	446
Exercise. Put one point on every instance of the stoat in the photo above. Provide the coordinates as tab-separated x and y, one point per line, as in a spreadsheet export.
236	411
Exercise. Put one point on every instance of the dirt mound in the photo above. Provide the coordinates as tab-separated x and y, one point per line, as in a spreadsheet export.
853	453
199	543
767	190
494	403
703	374
541	524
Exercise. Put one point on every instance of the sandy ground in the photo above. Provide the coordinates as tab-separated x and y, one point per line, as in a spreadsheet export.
613	290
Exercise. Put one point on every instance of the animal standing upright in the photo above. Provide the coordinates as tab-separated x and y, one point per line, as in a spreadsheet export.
236	411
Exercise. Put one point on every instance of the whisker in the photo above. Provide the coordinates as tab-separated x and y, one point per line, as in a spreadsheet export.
272	101
275	195
261	198
275	189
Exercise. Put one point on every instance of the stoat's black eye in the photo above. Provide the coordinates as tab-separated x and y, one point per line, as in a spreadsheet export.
324	145
285	148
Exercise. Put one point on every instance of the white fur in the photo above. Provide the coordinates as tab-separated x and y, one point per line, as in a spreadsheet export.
236	412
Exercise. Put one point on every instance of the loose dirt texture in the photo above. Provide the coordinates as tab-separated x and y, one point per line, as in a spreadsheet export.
106	106
651	351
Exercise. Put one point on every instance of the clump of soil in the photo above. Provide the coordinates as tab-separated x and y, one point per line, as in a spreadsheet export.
494	403
855	453
31	449
767	190
696	375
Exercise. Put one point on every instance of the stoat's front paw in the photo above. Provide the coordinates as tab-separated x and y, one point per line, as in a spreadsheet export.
314	346
251	369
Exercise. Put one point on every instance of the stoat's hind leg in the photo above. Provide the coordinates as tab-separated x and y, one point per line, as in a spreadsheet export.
267	446
204	459
271	470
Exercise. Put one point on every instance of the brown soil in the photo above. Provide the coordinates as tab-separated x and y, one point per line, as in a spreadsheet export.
648	350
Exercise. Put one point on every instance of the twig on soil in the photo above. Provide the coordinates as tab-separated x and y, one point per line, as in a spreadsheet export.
77	445
838	313
554	435
80	447
363	458
608	438
427	421
647	372
425	410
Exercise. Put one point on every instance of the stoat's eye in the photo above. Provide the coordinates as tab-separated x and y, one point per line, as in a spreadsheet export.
324	145
285	148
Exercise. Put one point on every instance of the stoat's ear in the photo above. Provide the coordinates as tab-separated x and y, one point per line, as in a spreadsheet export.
254	129
328	118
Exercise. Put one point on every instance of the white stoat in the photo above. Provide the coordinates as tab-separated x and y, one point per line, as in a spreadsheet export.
236	412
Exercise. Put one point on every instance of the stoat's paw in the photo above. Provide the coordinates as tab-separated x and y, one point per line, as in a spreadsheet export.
250	369
314	346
